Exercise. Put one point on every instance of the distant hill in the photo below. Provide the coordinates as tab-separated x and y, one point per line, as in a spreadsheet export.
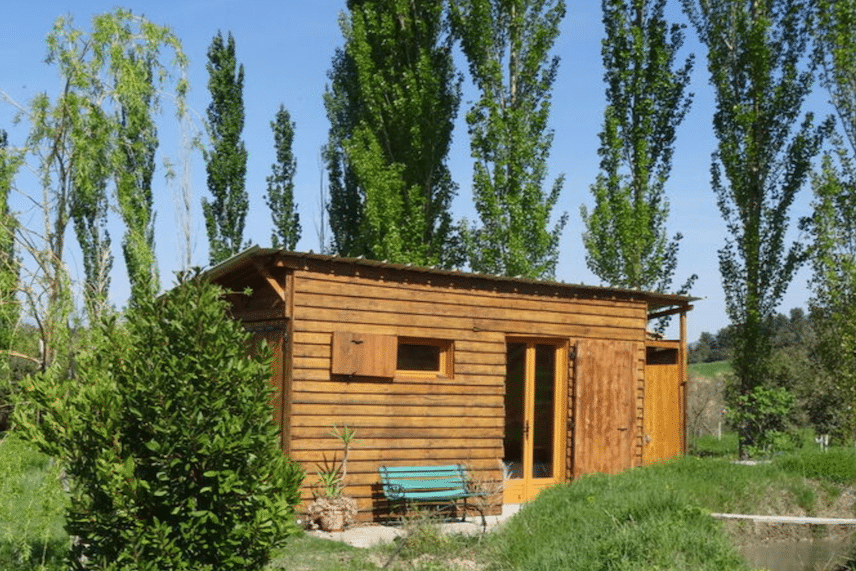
713	370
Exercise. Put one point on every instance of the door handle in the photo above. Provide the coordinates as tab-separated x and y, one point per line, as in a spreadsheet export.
622	428
526	429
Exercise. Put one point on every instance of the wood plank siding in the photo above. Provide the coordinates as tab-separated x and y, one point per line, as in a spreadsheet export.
408	417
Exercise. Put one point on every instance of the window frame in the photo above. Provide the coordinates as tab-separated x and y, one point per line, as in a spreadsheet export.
446	358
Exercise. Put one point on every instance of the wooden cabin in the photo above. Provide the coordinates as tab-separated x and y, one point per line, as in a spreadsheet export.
439	367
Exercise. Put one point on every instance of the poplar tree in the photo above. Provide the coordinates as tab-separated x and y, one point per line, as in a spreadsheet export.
226	162
280	184
507	45
626	240
757	62
391	104
832	226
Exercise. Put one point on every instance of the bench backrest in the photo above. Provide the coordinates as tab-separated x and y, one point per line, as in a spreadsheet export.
424	482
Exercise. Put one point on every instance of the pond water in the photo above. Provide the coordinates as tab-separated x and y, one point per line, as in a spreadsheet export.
811	555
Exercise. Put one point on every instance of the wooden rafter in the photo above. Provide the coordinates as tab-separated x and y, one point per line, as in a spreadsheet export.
277	288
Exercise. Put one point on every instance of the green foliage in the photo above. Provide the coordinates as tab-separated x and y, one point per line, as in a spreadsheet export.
138	142
832	229
834	31
761	418
226	162
10	309
168	441
709	445
640	519
758	68
507	45
112	77
280	185
391	104
836	465
625	239
31	508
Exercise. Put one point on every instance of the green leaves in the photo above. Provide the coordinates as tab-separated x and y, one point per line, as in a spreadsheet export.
626	241
168	440
280	185
392	103
758	68
226	162
510	141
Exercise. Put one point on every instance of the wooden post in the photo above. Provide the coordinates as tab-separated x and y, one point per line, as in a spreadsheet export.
682	355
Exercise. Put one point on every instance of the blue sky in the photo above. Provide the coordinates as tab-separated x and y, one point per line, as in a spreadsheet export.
286	47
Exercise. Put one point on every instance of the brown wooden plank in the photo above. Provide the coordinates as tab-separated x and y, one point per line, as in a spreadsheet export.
402	423
605	420
662	413
342	286
391	434
401	387
410	400
488	318
363	354
440	329
315	375
347	411
328	445
368	459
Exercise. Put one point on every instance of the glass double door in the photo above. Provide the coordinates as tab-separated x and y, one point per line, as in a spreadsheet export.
534	411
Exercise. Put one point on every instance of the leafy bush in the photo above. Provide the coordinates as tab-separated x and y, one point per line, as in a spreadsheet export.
168	441
761	417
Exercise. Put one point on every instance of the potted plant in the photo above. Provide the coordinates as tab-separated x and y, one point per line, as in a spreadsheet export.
331	510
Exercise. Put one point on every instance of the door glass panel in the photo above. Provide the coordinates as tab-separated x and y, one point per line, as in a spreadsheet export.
515	383
543	428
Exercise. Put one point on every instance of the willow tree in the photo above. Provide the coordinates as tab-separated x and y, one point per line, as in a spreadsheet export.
9	266
112	76
758	68
392	102
507	44
646	92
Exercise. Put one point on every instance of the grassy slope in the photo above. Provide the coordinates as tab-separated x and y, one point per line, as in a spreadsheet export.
656	517
649	518
711	370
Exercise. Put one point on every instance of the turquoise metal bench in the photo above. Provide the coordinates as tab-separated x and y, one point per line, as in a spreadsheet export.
438	485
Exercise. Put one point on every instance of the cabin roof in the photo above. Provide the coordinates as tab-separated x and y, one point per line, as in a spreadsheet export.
248	261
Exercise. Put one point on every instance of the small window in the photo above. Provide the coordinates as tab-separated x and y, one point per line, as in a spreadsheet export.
421	356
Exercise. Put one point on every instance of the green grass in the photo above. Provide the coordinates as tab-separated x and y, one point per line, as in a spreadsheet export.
642	519
31	509
709	445
649	518
712	370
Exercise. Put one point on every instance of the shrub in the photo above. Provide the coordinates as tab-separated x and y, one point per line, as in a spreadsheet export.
168	441
761	417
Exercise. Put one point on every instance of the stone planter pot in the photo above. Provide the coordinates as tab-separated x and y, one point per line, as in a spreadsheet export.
333	519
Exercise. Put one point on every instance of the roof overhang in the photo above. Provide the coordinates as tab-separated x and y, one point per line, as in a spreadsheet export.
256	257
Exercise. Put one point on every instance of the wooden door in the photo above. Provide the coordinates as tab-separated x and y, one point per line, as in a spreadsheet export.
604	403
275	335
534	410
664	415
